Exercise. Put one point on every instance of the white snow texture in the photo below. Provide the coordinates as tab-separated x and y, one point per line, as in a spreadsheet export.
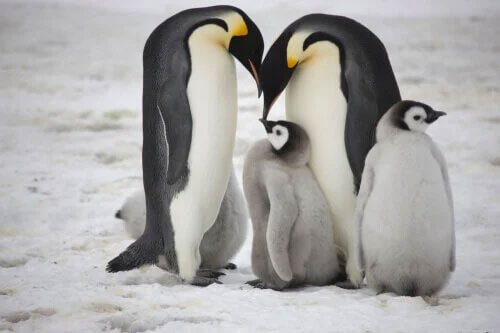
70	153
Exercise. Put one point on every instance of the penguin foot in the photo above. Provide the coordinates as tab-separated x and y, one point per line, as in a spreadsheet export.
208	273
262	285
253	283
202	281
230	266
347	284
259	284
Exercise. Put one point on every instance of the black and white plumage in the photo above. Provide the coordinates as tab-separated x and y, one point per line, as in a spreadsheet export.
404	216
189	124
293	240
339	82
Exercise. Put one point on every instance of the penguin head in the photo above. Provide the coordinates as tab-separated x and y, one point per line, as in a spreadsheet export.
298	43
414	116
288	140
246	43
236	32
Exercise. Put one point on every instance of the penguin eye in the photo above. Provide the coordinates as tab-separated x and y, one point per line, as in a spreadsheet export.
278	132
416	117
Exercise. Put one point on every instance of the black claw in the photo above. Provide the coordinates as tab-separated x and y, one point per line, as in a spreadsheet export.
201	281
259	284
230	266
346	285
208	273
118	214
253	283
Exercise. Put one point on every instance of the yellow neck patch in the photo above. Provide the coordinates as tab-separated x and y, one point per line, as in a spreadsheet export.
240	30
236	27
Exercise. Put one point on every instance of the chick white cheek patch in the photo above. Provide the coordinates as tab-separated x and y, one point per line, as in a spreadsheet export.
416	125
278	141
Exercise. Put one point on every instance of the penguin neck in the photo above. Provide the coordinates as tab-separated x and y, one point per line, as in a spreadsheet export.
210	35
295	154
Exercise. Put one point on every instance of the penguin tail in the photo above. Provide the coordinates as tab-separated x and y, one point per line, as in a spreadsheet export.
142	252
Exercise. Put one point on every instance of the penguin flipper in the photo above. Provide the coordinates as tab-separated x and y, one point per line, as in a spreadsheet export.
173	106
141	252
283	213
444	171
363	195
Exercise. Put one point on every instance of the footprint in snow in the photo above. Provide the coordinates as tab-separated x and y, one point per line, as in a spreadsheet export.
129	324
19	316
13	261
103	307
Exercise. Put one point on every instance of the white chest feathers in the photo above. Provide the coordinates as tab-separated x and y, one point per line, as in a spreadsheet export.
315	101
212	94
409	208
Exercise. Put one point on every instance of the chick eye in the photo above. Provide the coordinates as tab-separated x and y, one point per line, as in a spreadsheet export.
416	117
278	132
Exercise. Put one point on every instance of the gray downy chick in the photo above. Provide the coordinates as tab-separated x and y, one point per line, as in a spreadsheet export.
404	215
292	231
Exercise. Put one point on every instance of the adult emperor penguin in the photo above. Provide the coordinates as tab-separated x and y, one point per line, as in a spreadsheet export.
189	124
293	240
404	214
219	244
339	82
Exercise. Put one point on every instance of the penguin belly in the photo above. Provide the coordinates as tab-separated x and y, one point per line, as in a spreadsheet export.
212	94
407	224
315	101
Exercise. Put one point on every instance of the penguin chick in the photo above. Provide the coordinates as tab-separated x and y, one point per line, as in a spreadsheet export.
133	213
292	230
404	215
219	244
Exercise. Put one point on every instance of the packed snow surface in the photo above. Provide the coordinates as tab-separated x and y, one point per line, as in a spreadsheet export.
70	153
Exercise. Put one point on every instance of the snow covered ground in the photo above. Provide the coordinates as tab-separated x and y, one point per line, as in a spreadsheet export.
70	143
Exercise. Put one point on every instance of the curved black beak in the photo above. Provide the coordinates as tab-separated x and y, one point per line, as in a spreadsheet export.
255	73
432	116
275	73
248	49
268	125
